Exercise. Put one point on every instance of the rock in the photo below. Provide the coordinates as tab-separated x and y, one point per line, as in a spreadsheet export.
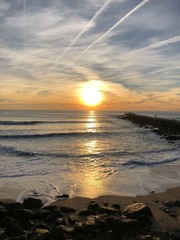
11	207
13	225
169	203
73	219
67	230
41	233
60	221
53	215
3	233
50	208
109	210
32	203
90	224
23	215
176	235
87	212
137	210
23	237
116	206
129	227
177	203
57	233
63	196
67	209
40	213
78	227
93	206
3	212
42	226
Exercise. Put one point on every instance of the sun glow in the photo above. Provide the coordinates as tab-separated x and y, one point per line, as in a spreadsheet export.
91	95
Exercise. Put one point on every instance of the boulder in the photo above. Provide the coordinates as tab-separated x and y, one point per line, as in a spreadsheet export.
32	203
87	212
137	210
23	215
93	206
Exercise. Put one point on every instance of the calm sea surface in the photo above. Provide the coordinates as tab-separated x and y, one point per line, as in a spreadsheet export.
47	153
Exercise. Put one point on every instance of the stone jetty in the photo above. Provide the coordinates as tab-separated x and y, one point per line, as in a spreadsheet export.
169	129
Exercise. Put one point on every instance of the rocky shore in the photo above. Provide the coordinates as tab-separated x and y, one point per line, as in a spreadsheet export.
169	129
155	217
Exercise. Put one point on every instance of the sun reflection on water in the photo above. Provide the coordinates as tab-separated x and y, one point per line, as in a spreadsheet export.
91	125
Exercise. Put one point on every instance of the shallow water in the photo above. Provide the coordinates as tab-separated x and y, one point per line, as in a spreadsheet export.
47	153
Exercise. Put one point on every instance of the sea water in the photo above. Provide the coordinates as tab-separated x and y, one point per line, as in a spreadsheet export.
48	153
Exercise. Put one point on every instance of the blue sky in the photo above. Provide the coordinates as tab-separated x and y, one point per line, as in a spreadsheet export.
51	49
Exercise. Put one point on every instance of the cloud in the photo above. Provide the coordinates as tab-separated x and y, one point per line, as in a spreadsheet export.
135	46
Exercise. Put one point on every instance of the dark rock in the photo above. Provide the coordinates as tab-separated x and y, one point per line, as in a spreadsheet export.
67	230
67	210
116	206
73	219
87	212
60	221
11	207
57	234
137	210
32	203
13	226
23	237
176	235
50	208
109	210
169	203
90	224
129	227
23	215
40	234
3	233
63	196
93	206
102	222
177	203
78	227
40	213
3	212
53	215
42	226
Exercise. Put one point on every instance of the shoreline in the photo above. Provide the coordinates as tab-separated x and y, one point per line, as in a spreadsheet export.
154	216
154	200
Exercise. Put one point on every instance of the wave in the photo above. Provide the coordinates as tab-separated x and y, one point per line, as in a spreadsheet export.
136	163
51	135
11	123
117	154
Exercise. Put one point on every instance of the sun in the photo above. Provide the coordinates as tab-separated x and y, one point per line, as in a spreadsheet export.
91	95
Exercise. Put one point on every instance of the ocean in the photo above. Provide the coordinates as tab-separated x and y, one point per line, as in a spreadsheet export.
49	153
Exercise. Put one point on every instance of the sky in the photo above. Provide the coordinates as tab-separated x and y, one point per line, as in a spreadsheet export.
128	49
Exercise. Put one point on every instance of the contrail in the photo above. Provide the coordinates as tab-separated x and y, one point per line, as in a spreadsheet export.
115	25
162	43
155	45
107	2
164	70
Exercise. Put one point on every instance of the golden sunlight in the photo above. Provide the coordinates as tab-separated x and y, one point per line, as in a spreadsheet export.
91	95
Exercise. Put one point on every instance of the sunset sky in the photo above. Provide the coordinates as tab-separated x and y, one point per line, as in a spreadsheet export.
127	50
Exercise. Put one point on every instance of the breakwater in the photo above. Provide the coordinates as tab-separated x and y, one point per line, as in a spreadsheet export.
169	129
